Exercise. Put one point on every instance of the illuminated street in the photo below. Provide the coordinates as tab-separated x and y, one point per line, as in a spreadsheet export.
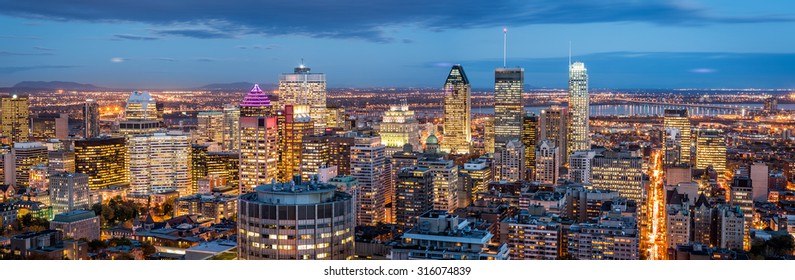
656	239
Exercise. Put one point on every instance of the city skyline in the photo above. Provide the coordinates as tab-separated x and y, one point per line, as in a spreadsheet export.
659	44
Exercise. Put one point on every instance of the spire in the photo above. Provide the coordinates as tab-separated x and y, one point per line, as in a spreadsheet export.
504	46
569	52
255	98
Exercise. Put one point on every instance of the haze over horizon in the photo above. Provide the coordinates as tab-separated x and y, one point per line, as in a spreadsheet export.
624	44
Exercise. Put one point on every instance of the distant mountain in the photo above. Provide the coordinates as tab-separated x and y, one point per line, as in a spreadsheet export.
55	85
237	86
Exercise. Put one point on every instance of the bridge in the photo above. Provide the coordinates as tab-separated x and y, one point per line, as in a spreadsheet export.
720	108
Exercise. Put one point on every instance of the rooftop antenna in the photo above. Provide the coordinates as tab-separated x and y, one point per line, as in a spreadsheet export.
302	62
504	45
569	52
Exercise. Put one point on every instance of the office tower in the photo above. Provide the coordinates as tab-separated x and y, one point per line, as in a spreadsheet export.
15	117
45	126
224	166
160	160
78	224
315	154
677	137
25	156
580	166
335	117
480	175
457	113
210	127
578	109
760	175
90	119
304	88
256	104
430	240
741	191
529	140
677	218
445	182
297	220
547	162
340	152
198	162
231	128
69	192
293	123
399	127
508	105
259	143
488	134
140	115
613	237
553	126
509	161
711	151
413	195
620	171
532	237
103	160
368	166
61	161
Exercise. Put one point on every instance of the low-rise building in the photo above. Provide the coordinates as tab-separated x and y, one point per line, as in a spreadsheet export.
77	224
214	206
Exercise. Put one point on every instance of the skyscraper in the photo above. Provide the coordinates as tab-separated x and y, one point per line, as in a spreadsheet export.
677	137
580	166
294	123
160	160
711	151
27	155
510	162
529	140
457	112
140	115
553	126
368	165
620	171
256	104
315	154
69	192
90	119
103	160
413	195
508	105
15	118
445	182
578	108
259	142
547	162
304	88
231	128
210	127
399	127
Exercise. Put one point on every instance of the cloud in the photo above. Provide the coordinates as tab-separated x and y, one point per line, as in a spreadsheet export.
15	69
117	59
169	59
7	53
367	20
703	70
43	48
134	37
205	59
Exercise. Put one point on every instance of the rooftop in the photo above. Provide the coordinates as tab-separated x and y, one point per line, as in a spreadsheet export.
73	216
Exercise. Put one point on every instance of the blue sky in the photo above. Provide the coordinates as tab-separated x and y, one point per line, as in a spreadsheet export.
361	43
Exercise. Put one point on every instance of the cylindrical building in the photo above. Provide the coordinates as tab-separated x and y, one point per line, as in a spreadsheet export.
296	220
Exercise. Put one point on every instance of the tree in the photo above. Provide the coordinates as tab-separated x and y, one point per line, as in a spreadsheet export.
148	248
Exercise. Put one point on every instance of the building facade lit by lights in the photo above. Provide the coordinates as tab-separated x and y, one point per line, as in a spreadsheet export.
676	140
210	127
15	121
305	88
509	161
103	159
711	151
259	152
231	128
90	119
457	112
255	104
553	126
620	171
296	220
368	166
548	162
530	141
508	105
159	160
294	123
579	107
140	115
399	127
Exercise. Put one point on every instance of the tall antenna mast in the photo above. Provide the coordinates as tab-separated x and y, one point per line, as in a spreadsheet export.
569	52
504	46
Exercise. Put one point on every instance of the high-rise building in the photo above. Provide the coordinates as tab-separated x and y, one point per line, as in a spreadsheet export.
231	128
677	137
140	115
315	154
530	141
45	126
259	142
445	182
532	237
294	123
553	126
711	151
224	166
103	160
298	220
580	166
677	218
579	106
509	161
160	160
15	118
368	166
210	127
399	127
255	104
90	119
741	191
760	175
26	155
721	225
479	171
457	112
620	171
413	195
335	117
488	134
614	237
61	161
304	88
508	105
340	152
547	162
198	162
69	192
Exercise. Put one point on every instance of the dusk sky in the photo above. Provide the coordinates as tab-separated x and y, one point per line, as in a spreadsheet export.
365	43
